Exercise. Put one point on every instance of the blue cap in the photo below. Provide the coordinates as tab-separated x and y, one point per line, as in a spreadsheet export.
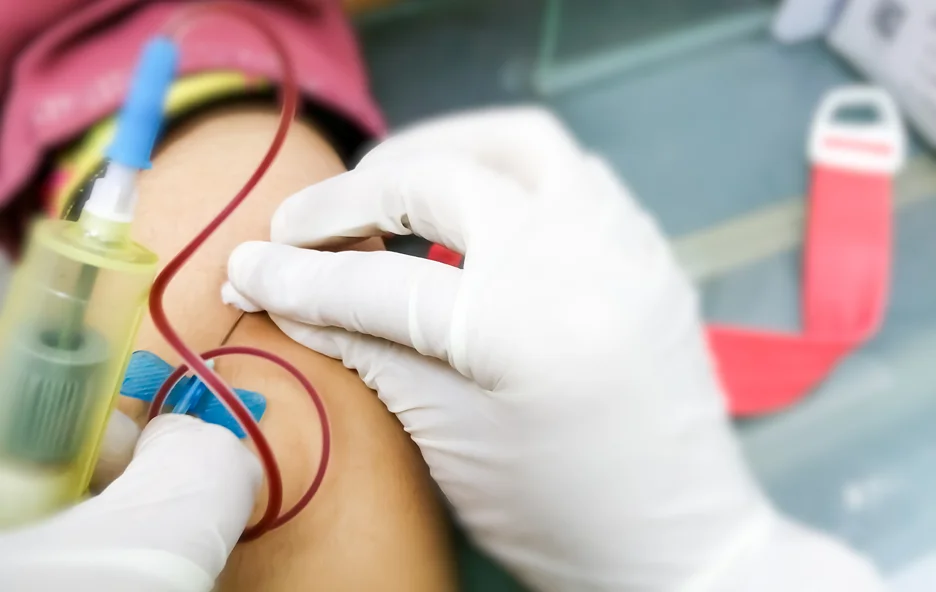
141	117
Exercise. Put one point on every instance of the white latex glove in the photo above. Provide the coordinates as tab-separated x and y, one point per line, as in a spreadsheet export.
559	387
168	523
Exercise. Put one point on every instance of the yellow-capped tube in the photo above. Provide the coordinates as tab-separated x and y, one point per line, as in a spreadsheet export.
67	333
71	316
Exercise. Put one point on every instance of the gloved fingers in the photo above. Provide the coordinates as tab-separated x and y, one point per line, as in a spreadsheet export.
404	299
430	398
183	501
117	446
190	483
443	198
528	143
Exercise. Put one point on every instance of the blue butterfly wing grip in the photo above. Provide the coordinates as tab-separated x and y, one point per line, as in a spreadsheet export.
146	372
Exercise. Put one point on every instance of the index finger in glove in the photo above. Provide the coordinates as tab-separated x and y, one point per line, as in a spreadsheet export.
404	299
446	199
173	516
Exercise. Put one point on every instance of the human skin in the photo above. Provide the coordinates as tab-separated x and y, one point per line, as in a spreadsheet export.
377	522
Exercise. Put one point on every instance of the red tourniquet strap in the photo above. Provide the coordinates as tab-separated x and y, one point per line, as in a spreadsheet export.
846	267
845	278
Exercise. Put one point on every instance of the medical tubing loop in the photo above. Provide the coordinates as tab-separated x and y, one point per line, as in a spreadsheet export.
271	517
163	393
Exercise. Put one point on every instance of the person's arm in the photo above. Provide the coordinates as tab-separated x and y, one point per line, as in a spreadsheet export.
377	523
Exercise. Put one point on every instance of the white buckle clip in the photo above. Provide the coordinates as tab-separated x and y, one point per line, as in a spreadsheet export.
876	147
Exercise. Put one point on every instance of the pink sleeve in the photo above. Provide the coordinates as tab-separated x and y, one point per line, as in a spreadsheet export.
75	71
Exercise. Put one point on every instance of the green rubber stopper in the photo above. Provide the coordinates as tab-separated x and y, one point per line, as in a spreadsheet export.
52	390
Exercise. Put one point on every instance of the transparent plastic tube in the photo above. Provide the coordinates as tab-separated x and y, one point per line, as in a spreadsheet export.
272	517
68	329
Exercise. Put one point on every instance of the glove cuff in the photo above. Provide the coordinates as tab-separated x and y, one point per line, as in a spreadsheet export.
111	569
777	555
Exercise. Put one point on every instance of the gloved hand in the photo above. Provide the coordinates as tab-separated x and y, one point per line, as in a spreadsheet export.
559	386
168	523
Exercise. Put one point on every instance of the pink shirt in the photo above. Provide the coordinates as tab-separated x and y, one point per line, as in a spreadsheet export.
65	64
